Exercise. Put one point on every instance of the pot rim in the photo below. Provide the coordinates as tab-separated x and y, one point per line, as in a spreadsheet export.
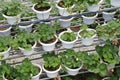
6	29
74	69
67	41
89	30
92	17
37	65
51	71
40	11
49	43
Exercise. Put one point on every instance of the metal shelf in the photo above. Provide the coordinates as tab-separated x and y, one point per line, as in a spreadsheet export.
15	55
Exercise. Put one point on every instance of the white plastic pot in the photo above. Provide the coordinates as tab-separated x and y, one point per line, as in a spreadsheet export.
28	52
6	32
115	3
67	44
89	20
95	7
65	23
107	16
27	28
73	72
50	46
6	53
63	11
12	19
42	14
52	74
87	41
38	75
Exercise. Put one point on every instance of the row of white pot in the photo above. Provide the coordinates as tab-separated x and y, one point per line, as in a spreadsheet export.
62	12
52	74
51	46
65	23
7	31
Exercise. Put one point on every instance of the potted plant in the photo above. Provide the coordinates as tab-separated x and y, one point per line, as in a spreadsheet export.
65	23
47	37
42	8
89	18
29	70
87	35
93	64
108	31
5	31
25	17
11	10
9	72
65	7
25	42
94	5
108	15
51	64
5	47
68	39
71	61
108	54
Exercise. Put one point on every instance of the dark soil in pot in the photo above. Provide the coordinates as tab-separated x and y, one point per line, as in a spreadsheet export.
3	23
61	4
50	41
2	29
42	8
75	29
51	68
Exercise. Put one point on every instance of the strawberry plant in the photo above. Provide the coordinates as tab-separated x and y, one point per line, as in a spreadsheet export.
68	36
9	72
5	43
51	61
70	59
27	69
109	31
46	32
12	8
85	32
41	5
91	2
1	17
24	40
108	53
93	63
